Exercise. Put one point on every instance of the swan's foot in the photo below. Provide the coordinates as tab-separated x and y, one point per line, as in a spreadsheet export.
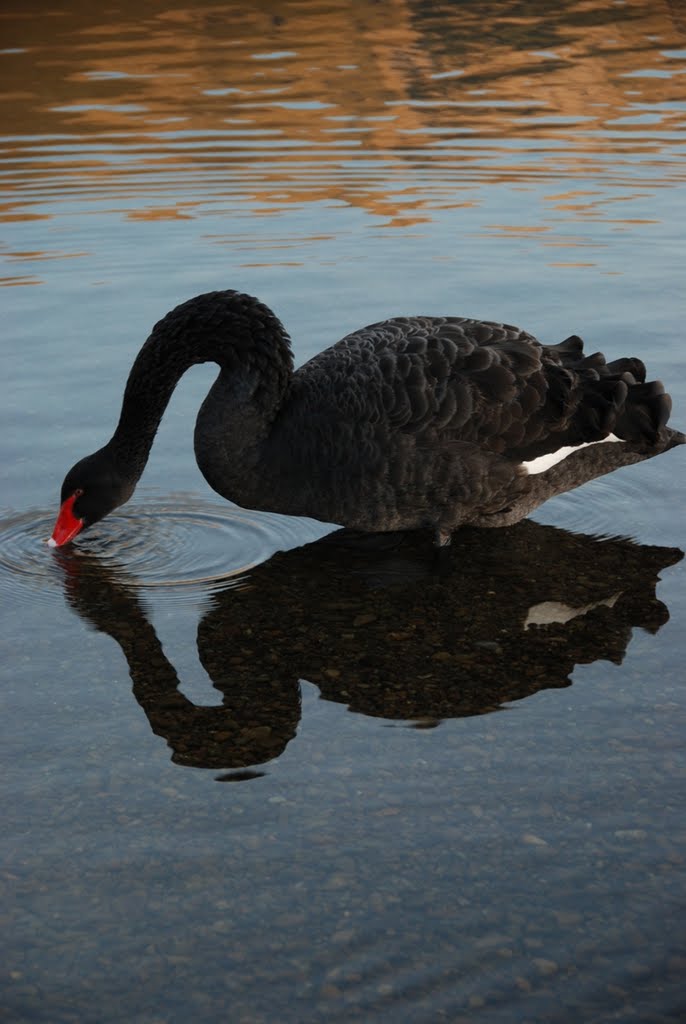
442	550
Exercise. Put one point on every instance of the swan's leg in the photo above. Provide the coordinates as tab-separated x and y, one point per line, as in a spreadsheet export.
442	561
442	537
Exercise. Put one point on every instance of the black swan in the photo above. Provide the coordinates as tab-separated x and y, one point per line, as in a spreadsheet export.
414	422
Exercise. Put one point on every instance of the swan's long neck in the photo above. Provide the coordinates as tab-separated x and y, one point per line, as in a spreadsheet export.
229	328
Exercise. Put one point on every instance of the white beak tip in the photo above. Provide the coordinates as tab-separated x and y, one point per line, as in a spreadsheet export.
52	543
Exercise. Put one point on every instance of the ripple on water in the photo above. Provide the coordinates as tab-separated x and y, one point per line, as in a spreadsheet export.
172	543
603	507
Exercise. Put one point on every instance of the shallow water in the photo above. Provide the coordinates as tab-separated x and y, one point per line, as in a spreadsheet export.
458	789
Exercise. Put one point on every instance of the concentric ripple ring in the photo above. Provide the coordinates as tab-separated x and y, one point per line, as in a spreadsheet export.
171	542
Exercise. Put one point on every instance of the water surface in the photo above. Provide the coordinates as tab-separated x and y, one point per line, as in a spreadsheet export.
456	794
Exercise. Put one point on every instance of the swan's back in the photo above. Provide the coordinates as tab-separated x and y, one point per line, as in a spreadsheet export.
439	421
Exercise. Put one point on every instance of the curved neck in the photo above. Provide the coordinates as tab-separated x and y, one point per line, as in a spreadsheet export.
234	330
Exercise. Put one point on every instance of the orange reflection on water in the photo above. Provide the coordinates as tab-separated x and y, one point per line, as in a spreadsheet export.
397	107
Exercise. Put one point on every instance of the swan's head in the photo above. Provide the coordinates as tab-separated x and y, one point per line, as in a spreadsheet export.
91	490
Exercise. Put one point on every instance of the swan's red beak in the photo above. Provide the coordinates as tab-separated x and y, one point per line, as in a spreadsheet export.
67	525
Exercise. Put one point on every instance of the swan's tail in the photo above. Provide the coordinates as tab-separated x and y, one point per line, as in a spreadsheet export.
618	398
645	412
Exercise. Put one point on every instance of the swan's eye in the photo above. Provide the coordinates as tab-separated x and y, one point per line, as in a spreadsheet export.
78	492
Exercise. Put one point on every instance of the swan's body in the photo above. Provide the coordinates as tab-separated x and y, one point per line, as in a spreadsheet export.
413	422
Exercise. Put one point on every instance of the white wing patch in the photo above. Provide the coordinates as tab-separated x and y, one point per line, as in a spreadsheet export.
544	462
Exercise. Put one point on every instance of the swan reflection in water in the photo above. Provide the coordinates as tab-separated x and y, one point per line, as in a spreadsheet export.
511	612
